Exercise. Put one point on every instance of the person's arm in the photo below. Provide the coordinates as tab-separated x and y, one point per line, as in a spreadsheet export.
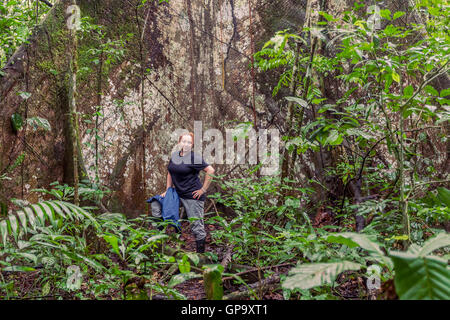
169	184
198	193
209	170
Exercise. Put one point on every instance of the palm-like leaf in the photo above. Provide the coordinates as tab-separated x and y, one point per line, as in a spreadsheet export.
35	215
418	275
311	275
419	278
352	239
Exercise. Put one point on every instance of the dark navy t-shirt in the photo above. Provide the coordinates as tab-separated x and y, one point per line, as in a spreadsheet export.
184	172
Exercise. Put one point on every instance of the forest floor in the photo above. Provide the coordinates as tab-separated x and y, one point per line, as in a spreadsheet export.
348	286
193	289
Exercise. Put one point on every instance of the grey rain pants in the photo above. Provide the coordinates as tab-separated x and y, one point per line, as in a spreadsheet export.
194	209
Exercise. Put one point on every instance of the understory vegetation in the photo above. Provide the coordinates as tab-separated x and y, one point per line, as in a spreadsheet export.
360	209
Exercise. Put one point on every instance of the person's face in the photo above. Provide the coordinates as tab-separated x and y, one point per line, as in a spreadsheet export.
186	143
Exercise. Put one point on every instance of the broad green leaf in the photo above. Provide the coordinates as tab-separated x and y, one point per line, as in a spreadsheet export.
50	213
194	257
326	16
3	230
432	91
298	100
439	241
57	209
18	268
114	242
358	133
334	138
212	281
342	240
398	14
46	288
39	213
72	208
16	122
94	264
30	217
179	278
408	91
23	220
38	122
385	13
312	275
14	225
420	278
364	242
183	265
444	196
65	209
395	77
157	237
82	213
445	93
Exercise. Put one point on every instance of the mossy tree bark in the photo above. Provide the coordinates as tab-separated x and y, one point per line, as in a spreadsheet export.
72	132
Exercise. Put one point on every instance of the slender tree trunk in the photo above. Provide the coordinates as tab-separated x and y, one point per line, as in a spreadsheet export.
403	202
72	101
98	108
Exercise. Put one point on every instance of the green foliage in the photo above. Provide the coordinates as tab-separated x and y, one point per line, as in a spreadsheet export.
87	191
419	275
212	281
421	278
276	53
100	50
363	241
16	122
181	277
18	17
308	276
36	215
19	160
38	122
434	207
77	253
254	201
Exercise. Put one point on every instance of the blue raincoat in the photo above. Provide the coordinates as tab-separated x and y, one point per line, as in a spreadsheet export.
170	206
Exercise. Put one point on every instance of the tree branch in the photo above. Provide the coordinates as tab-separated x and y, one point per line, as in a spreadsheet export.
47	3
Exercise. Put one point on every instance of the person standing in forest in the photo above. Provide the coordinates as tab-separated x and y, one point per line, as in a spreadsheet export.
183	174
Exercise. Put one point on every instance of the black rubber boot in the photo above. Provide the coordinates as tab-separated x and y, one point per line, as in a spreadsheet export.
200	245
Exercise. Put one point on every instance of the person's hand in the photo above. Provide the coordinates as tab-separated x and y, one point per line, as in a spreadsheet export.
163	194
197	193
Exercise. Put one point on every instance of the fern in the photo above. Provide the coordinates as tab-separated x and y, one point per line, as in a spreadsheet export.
36	215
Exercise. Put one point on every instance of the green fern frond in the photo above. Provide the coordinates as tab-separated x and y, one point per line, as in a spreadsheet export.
34	215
